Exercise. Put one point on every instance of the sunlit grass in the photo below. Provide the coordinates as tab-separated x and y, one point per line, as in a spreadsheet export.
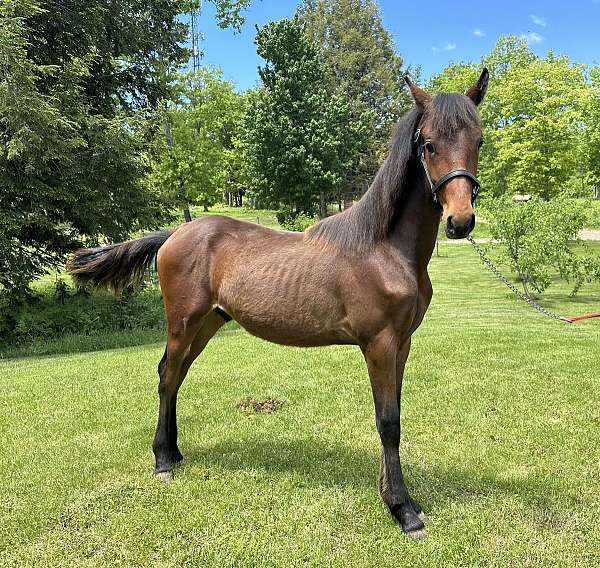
501	419
261	216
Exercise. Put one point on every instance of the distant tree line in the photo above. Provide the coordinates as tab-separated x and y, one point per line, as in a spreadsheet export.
312	131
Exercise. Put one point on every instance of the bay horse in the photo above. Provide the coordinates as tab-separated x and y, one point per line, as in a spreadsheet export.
359	277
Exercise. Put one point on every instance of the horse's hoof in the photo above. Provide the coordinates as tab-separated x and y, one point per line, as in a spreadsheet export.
409	520
419	535
165	476
419	510
423	517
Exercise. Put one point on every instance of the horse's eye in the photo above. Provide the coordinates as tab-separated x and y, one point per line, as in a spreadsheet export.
481	143
430	147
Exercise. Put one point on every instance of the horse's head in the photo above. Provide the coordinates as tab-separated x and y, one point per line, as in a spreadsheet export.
448	140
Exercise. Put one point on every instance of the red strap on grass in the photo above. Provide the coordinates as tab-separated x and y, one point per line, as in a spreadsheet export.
588	316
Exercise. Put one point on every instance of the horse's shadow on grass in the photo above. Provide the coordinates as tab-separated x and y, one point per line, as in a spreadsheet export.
340	466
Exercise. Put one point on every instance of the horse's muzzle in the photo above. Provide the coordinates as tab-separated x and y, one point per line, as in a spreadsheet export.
459	228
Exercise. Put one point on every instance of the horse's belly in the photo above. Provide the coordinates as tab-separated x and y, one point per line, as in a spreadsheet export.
298	332
287	306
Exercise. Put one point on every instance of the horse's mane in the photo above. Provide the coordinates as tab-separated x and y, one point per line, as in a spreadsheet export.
371	219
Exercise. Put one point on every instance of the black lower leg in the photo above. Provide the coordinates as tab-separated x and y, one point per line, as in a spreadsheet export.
161	445
392	486
163	439
176	455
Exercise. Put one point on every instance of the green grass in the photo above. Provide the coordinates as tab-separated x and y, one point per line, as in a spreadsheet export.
262	216
501	419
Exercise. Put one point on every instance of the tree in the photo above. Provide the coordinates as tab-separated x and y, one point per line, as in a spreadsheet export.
81	87
361	64
532	116
71	166
128	45
536	240
590	150
229	13
196	167
301	140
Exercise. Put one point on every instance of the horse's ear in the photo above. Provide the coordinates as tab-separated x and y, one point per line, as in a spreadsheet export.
422	98
477	91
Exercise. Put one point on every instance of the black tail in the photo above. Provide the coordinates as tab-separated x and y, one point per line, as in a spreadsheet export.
116	266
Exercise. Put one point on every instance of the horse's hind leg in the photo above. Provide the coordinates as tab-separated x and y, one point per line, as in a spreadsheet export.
210	325
184	344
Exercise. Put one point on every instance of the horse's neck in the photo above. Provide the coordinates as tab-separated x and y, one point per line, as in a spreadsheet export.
415	231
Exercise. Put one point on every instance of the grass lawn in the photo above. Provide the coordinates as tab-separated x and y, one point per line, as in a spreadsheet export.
261	216
501	445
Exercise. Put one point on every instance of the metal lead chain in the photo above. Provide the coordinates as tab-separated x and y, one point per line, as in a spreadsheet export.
490	265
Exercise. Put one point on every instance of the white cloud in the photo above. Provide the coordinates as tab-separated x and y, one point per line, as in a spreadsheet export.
447	47
532	37
538	20
478	33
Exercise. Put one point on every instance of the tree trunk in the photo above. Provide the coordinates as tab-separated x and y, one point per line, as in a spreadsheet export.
523	278
322	205
187	214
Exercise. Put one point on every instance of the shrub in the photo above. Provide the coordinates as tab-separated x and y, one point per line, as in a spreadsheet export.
294	221
536	239
52	314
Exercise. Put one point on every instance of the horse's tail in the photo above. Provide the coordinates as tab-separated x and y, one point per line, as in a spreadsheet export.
116	266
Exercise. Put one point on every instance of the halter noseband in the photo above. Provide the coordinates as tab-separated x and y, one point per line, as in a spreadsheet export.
435	187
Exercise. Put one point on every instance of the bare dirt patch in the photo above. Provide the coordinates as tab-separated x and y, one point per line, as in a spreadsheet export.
250	405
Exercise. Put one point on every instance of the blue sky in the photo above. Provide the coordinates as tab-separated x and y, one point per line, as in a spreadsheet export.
429	33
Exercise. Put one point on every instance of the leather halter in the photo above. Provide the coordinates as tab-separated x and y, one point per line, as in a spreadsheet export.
435	187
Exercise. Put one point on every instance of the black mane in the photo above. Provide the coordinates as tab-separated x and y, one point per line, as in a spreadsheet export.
370	220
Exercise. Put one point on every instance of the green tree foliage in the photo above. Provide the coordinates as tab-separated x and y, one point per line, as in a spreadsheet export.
127	45
203	120
533	118
229	13
301	140
361	64
81	85
536	239
590	149
71	161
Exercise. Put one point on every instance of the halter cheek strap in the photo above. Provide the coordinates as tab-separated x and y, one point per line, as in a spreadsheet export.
435	187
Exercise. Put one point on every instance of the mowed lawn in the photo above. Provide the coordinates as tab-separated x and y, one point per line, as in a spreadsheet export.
501	445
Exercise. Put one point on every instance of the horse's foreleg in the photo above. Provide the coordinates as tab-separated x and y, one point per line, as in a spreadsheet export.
401	358
383	356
